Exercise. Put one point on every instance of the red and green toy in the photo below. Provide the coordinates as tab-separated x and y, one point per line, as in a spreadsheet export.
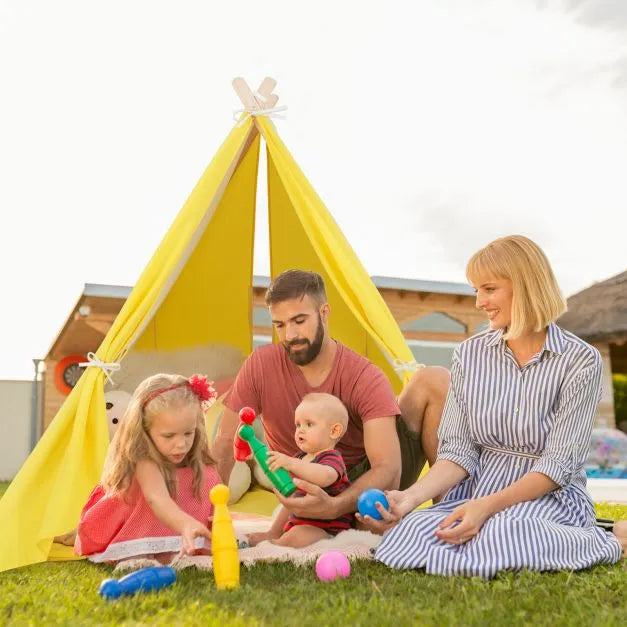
247	445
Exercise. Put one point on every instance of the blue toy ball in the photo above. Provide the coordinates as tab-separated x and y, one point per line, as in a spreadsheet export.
366	503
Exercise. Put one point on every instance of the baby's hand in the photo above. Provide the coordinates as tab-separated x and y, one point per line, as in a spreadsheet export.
278	460
192	530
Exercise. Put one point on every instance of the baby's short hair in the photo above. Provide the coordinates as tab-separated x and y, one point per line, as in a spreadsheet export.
329	405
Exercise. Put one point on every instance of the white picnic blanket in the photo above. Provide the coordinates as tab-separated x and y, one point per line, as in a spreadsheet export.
353	543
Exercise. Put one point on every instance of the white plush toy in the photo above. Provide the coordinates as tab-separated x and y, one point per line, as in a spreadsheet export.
117	401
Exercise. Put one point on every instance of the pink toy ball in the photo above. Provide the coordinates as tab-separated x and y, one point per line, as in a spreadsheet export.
332	565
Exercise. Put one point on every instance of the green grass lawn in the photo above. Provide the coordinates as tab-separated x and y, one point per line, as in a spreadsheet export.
282	594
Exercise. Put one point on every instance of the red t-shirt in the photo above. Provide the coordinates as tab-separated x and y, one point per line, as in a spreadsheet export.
274	386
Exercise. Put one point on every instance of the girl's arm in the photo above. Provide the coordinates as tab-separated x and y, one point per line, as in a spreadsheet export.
156	493
321	475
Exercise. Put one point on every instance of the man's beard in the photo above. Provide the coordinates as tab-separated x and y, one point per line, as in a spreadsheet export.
306	355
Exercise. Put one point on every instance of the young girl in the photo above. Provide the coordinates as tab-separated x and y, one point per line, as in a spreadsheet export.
320	421
513	439
153	499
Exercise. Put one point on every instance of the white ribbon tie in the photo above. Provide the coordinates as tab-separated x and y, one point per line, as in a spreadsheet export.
107	368
271	112
406	366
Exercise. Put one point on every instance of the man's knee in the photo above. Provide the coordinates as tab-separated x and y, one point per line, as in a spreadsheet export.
428	386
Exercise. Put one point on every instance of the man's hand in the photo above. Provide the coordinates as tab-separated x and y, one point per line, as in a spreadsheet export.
400	502
464	522
315	504
278	460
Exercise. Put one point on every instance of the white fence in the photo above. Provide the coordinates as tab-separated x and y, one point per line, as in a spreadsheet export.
15	426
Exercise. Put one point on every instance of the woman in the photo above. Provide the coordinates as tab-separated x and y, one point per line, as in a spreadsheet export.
513	439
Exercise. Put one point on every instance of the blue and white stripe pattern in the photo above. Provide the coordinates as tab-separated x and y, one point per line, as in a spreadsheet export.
499	423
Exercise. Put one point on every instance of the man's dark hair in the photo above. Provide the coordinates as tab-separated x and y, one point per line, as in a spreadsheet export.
296	284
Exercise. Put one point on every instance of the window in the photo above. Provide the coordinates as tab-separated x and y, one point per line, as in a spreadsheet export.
261	317
260	340
433	353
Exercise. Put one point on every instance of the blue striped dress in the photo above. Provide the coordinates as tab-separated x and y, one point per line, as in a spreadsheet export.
500	422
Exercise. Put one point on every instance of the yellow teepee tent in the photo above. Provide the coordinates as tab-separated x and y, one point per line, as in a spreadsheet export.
192	304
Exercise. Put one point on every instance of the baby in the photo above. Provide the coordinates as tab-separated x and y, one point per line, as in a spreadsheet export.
321	421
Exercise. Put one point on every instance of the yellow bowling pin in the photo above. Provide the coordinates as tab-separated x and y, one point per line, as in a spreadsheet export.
223	542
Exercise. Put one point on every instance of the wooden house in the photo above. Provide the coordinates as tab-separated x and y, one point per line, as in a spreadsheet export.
434	317
598	315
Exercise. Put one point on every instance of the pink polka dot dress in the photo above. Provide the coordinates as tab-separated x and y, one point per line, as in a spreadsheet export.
112	528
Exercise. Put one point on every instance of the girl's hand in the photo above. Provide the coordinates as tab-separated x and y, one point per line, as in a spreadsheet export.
193	529
464	522
278	460
400	503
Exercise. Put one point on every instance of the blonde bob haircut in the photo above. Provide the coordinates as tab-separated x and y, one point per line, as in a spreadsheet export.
537	299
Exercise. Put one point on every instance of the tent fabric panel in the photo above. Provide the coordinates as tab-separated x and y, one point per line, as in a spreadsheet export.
46	496
210	303
303	234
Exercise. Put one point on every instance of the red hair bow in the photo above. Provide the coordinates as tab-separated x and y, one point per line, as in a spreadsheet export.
203	389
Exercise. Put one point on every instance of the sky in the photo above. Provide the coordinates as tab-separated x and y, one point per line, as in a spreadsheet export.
428	128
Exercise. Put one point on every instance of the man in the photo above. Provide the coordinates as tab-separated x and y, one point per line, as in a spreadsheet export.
386	441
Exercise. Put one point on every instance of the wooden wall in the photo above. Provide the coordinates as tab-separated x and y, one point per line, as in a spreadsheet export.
52	398
406	306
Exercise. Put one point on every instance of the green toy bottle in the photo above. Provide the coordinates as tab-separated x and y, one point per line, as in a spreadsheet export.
280	478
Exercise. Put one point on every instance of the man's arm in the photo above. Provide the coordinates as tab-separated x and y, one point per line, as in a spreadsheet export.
384	453
222	447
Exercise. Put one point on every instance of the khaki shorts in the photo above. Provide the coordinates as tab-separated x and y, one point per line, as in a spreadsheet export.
412	456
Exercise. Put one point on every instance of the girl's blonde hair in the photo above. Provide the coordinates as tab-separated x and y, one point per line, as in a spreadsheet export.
132	442
537	299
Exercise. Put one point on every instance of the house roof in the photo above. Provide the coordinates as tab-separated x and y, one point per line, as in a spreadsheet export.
104	302
397	283
600	311
420	285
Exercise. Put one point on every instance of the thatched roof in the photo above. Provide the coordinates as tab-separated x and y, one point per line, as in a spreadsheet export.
599	312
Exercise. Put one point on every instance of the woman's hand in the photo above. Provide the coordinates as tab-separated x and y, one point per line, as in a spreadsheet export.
464	522
191	530
400	502
278	460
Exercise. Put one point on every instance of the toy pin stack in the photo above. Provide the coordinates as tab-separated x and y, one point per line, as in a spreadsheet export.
223	541
246	444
